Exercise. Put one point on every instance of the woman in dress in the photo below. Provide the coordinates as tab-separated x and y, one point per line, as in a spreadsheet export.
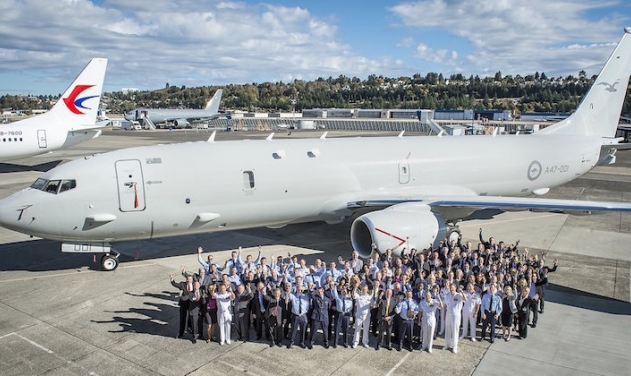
508	311
211	311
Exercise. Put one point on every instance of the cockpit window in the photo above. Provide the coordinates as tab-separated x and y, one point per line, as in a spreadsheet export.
54	186
67	185
39	184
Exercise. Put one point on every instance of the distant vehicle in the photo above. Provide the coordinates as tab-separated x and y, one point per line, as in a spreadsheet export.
177	118
72	119
131	126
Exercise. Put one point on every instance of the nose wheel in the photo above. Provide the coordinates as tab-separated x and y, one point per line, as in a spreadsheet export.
109	261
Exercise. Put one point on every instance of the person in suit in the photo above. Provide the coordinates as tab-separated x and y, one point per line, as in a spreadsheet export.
274	315
491	311
183	286
258	311
241	310
195	301
385	317
330	291
543	282
377	294
524	304
286	300
320	316
344	307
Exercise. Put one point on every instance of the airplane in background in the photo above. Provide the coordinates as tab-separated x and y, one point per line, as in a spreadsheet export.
72	119
178	117
403	192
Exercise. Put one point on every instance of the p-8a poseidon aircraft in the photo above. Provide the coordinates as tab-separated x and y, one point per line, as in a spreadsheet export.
408	190
70	121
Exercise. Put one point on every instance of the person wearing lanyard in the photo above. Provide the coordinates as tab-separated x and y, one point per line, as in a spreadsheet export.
344	307
407	310
386	313
299	307
492	308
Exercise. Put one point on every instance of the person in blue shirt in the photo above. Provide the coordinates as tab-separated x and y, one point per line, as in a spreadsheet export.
344	308
407	310
300	304
491	309
320	316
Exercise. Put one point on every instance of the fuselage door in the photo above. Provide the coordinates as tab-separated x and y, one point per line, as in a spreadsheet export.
131	191
41	139
404	173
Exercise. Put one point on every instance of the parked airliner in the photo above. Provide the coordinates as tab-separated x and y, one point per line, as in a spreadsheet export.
180	118
408	190
70	121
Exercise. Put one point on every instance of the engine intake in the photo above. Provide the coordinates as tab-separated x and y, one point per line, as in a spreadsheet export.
398	227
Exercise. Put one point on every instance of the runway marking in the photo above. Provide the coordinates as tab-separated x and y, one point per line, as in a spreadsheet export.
29	341
398	364
72	273
512	220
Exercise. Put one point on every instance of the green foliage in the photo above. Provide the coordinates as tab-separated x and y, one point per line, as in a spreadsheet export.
536	92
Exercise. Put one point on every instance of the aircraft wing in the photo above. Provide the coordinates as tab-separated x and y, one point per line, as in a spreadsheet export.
498	202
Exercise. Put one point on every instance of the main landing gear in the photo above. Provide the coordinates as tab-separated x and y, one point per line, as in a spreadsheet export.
109	261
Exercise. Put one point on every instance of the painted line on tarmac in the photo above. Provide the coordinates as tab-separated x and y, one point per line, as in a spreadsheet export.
391	372
511	220
29	341
73	273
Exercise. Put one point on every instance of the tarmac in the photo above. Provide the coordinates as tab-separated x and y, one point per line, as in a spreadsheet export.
60	314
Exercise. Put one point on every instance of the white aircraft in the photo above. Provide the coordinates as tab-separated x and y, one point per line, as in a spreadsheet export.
179	118
409	189
70	121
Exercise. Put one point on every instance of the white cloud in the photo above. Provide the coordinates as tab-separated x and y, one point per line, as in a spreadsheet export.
517	36
191	42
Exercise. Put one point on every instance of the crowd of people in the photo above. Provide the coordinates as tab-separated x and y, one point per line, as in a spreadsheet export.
405	301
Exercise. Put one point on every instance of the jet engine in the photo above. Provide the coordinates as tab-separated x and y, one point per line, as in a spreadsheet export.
181	123
398	227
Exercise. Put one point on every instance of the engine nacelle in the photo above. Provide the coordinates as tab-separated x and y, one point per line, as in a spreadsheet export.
408	225
181	123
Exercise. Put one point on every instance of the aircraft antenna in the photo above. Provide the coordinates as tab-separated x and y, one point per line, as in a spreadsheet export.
212	137
269	138
323	137
401	134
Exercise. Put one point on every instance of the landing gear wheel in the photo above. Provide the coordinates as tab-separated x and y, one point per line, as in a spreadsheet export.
453	234
109	262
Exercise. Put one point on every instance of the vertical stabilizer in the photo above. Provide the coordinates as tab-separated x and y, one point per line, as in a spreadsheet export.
213	104
78	106
599	112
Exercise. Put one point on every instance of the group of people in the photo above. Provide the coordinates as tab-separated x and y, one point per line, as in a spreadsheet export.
405	301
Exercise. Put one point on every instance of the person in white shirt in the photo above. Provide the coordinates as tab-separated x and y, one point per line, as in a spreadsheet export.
428	308
453	311
470	312
224	315
363	302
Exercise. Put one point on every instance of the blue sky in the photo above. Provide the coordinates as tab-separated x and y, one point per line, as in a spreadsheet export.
44	44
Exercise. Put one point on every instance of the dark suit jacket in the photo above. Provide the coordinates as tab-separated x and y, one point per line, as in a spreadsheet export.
287	306
382	312
320	307
181	286
242	302
271	308
256	304
193	305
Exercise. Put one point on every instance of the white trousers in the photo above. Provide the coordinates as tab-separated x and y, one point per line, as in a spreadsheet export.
362	326
452	330
224	318
428	327
468	323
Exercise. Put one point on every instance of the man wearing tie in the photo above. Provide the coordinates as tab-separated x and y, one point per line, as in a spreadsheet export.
259	311
386	313
407	310
274	315
492	308
194	299
320	316
376	294
299	307
344	307
184	287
